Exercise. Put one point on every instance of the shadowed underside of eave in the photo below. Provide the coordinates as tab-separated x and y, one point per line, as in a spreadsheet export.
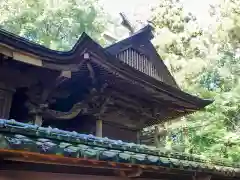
134	97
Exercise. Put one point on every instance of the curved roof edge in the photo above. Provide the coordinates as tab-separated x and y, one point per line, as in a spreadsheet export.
78	143
85	42
46	54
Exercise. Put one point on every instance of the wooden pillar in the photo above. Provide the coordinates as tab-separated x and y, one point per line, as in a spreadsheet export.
156	137
35	113
5	101
38	120
99	128
138	137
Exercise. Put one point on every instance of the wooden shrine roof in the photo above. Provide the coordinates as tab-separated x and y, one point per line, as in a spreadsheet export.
140	41
20	142
163	90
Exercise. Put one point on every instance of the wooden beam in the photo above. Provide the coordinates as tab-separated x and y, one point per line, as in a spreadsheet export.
31	161
20	56
118	125
128	119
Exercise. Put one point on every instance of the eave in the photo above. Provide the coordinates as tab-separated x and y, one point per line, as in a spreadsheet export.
35	162
73	60
99	156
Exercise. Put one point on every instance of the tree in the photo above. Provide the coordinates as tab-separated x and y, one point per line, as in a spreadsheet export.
55	24
180	39
206	63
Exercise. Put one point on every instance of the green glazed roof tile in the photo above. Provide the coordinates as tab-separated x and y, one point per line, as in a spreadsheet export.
21	136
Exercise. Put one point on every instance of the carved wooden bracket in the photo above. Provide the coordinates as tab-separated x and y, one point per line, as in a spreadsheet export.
36	110
95	102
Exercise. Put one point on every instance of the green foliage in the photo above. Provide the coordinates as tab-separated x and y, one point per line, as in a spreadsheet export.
206	63
55	24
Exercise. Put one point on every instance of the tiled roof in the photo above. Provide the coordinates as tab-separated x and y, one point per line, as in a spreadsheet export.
25	137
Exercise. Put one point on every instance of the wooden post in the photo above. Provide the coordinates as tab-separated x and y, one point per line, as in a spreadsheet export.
99	128
156	137
5	101
38	120
138	137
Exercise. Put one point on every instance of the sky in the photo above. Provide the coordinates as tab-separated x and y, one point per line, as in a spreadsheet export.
141	9
132	8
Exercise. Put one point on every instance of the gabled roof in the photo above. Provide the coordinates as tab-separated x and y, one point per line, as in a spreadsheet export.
141	41
71	60
26	142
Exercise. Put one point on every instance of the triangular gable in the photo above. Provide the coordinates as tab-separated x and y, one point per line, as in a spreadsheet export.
140	62
145	54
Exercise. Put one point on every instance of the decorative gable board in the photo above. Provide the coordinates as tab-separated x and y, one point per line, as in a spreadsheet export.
140	62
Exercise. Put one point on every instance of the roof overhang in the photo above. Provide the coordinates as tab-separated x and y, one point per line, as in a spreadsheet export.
32	148
72	61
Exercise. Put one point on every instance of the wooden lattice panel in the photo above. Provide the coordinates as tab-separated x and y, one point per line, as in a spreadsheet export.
140	62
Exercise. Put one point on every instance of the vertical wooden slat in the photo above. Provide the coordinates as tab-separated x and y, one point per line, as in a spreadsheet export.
133	58
129	57
139	62
99	128
148	66
144	64
150	70
135	64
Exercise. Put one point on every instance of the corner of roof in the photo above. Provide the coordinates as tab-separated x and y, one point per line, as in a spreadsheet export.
206	102
84	41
